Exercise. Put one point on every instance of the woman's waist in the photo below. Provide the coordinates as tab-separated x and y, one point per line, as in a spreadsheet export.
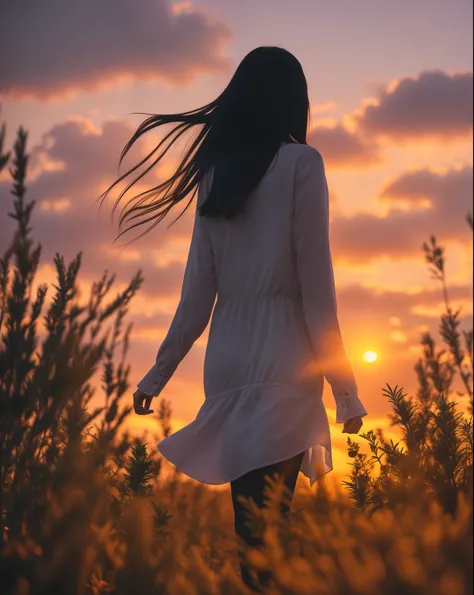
241	359
268	387
258	298
261	324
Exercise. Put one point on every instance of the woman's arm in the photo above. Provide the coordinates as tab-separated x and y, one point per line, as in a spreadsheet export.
193	312
316	277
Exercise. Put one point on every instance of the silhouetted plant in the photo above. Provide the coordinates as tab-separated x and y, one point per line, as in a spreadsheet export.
435	458
62	457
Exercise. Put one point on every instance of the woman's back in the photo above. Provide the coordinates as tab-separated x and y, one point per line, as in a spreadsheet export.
258	334
252	252
274	333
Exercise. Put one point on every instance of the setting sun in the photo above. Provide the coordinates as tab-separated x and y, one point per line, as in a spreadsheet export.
370	356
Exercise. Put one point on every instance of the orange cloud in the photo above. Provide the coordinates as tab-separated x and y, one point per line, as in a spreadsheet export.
321	108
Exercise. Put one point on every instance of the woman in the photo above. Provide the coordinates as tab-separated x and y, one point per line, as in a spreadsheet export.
260	243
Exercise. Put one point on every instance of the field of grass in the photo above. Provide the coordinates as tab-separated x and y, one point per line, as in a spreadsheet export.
85	508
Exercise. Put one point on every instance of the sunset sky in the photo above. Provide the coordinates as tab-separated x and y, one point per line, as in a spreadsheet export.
390	85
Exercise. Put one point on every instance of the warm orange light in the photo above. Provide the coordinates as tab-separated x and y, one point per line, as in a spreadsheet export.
370	356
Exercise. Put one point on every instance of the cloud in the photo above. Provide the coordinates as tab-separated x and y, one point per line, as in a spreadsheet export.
448	190
74	164
434	103
56	48
321	108
448	198
342	148
378	306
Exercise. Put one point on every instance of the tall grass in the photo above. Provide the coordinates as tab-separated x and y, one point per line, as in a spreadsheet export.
85	509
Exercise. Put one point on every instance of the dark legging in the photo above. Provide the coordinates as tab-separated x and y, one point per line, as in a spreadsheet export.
252	485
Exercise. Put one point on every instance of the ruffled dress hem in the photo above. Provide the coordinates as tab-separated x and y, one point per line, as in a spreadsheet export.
326	456
252	427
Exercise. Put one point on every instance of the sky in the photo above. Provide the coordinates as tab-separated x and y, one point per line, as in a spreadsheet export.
390	85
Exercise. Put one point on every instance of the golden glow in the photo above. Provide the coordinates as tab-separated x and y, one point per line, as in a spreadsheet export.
182	7
398	336
395	321
370	356
327	106
59	205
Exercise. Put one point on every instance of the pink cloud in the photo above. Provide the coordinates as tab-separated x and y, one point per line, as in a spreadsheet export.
433	104
342	148
66	217
71	221
56	48
366	237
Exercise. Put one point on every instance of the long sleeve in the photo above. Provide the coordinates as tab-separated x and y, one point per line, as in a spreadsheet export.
192	314
316	278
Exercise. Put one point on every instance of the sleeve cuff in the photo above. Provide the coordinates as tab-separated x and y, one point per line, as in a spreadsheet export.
153	382
349	407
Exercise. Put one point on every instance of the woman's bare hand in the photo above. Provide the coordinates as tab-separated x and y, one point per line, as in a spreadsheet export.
141	403
353	425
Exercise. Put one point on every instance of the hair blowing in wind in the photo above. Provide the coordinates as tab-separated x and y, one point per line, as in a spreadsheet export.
238	134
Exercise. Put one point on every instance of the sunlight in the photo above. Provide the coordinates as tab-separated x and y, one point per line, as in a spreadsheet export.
370	356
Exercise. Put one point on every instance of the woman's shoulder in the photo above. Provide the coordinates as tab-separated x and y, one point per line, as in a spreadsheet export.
298	150
301	158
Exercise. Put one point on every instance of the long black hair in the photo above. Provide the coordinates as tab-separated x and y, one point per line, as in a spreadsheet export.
264	105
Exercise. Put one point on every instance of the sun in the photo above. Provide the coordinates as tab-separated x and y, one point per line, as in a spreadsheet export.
370	356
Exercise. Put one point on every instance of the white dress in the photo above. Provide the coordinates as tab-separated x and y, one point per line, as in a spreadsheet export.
274	333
